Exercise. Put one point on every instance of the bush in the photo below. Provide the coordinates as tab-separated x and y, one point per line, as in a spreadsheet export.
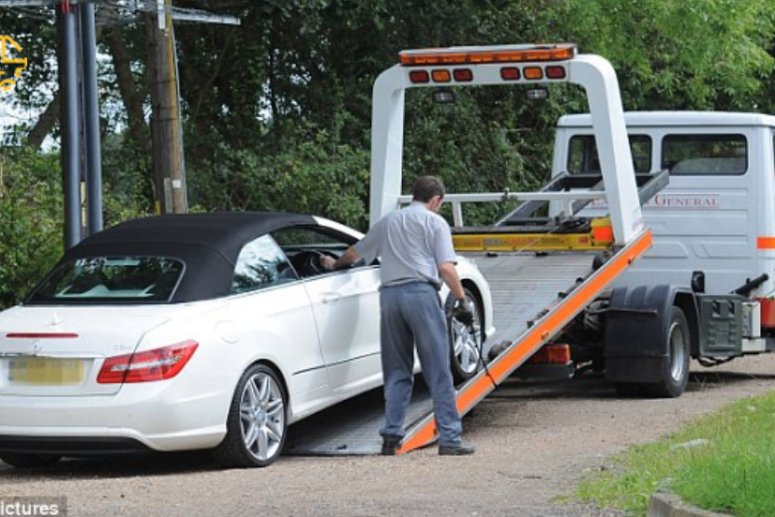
30	220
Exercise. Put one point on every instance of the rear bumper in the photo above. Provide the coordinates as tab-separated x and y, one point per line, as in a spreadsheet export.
74	446
162	417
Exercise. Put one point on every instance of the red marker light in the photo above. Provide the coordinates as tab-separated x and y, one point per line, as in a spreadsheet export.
510	73
555	72
463	75
419	77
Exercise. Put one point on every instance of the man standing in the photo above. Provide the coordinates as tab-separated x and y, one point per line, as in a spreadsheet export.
415	249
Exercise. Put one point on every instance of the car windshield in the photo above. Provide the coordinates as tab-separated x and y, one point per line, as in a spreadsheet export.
111	279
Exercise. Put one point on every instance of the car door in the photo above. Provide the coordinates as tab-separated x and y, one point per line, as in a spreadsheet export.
271	310
345	304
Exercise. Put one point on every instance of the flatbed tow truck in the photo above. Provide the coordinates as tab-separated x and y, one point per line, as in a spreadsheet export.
543	271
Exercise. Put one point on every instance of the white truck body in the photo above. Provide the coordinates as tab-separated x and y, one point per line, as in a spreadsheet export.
717	215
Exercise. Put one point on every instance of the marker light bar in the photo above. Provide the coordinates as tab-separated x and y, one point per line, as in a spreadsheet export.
485	55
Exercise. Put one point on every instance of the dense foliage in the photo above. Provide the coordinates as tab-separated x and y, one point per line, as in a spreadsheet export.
30	227
277	111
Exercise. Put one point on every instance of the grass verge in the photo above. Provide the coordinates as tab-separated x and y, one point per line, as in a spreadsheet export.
722	462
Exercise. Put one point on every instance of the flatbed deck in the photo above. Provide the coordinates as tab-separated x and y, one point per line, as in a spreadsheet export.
523	285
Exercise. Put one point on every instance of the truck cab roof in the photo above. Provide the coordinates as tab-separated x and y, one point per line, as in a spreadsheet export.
677	118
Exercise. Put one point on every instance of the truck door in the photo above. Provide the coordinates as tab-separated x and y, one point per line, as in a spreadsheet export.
705	219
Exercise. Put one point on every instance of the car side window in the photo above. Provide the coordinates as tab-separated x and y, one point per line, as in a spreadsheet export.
305	246
261	264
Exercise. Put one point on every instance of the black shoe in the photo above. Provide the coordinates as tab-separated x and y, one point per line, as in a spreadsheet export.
390	444
458	449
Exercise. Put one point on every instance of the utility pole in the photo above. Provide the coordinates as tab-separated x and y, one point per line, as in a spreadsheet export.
166	125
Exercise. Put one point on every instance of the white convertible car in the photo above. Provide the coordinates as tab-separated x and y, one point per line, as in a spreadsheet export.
194	332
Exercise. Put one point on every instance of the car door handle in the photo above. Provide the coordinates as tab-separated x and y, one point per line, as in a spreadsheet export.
330	297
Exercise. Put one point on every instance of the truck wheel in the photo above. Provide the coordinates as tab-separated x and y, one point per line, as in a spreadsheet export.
675	374
466	343
257	421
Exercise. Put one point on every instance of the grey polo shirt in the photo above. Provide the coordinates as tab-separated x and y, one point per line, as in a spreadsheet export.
410	243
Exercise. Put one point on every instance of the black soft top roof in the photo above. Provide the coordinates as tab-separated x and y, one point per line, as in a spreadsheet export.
208	245
224	232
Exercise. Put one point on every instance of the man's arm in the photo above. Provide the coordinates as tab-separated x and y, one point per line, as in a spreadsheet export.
448	273
461	310
347	259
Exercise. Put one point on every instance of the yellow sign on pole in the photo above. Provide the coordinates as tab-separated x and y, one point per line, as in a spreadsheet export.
8	84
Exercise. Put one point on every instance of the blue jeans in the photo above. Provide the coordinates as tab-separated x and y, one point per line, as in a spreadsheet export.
411	314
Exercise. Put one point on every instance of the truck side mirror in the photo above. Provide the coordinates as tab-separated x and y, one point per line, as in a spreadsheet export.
698	282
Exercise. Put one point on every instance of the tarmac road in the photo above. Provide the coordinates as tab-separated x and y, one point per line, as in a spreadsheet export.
535	440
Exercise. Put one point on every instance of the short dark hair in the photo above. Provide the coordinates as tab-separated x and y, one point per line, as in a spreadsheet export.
426	187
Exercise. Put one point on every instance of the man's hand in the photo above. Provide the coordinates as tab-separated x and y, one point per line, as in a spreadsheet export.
463	313
328	263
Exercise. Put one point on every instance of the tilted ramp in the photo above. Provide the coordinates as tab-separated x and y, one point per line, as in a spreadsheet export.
548	289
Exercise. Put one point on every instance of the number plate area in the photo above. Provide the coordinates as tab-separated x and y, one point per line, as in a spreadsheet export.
45	371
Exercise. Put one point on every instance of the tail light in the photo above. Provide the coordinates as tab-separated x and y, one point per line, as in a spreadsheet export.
552	354
150	365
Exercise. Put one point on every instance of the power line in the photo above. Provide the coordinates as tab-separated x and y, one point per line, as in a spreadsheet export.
123	11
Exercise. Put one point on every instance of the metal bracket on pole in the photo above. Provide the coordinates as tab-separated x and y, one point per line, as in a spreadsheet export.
161	13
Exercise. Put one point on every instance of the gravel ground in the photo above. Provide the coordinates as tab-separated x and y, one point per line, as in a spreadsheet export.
535	440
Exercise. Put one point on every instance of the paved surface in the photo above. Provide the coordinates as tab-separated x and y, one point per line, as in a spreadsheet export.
535	441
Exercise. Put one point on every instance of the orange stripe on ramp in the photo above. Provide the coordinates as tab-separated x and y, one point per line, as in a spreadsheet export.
504	365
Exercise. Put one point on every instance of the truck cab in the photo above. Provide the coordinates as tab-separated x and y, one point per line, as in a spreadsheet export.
713	224
717	212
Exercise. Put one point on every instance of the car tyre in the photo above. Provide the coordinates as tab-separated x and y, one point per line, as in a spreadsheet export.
257	423
465	344
30	461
